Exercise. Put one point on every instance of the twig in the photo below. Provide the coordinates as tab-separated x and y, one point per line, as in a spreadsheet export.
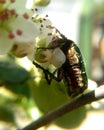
74	104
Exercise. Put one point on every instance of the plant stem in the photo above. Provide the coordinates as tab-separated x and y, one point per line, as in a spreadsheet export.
68	107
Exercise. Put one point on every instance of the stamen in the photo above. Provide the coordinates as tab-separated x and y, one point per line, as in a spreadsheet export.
25	15
12	1
19	32
44	19
11	35
13	12
46	15
41	21
36	9
49	34
2	1
42	25
4	14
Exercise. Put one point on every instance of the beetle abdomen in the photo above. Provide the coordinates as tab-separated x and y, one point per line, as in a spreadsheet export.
74	80
73	69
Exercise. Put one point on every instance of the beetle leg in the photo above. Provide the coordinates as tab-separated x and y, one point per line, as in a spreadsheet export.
48	75
60	74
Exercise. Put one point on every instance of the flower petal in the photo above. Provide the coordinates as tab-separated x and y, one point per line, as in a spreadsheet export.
28	28
20	7
5	43
45	30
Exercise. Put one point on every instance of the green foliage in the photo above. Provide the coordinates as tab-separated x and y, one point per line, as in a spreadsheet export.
6	114
12	73
14	77
48	97
14	89
20	89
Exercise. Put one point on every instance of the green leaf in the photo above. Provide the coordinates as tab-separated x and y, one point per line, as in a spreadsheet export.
6	114
12	73
48	97
20	89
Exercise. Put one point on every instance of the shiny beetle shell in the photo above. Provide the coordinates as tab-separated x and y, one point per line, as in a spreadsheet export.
73	70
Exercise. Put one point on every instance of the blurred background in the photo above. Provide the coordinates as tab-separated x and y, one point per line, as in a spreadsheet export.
22	96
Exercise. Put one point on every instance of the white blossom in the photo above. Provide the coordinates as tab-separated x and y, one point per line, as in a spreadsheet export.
16	26
44	53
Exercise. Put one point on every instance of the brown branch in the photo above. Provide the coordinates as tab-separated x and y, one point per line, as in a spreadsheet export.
68	107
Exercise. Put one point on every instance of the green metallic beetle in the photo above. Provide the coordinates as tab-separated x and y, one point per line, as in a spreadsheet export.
72	72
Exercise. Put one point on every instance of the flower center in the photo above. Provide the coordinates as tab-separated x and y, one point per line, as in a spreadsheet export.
5	12
7	15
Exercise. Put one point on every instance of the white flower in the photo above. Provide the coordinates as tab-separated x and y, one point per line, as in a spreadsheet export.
23	49
45	31
54	56
5	42
45	54
16	26
24	30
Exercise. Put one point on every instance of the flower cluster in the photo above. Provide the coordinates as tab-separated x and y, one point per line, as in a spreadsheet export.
16	27
44	51
24	35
